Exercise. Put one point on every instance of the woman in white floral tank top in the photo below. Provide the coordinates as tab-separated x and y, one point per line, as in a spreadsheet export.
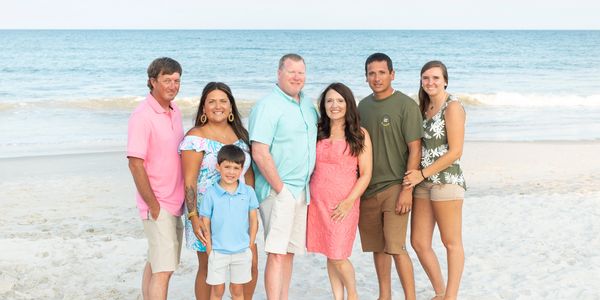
439	184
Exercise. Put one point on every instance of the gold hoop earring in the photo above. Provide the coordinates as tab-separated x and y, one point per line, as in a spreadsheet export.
203	118
231	117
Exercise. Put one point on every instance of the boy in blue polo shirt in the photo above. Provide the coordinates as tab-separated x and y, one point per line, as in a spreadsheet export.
228	213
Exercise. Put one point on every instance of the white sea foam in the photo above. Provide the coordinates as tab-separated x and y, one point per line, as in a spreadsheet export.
190	104
530	100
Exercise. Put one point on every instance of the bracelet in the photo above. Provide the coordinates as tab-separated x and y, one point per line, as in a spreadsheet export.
423	174
190	215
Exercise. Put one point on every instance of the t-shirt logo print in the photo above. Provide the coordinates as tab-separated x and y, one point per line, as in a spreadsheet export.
385	121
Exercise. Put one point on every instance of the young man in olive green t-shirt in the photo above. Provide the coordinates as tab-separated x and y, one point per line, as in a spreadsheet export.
394	123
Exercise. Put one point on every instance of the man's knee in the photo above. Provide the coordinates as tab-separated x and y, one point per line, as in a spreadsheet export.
162	276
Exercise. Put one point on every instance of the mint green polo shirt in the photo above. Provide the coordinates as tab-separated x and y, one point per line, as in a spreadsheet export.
290	130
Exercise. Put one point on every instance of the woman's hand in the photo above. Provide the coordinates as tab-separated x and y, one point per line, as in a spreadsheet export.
413	177
198	229
341	210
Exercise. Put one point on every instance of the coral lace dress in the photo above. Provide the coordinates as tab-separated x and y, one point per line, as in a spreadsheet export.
332	180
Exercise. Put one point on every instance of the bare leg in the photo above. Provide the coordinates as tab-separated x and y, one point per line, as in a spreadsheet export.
449	218
405	272
278	273
422	225
251	286
147	275
344	272
201	288
159	285
237	291
383	268
217	291
337	286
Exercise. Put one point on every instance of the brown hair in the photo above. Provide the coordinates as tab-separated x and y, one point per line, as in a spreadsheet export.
162	65
424	99
237	125
354	135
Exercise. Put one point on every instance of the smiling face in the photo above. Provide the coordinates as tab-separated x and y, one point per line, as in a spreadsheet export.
230	171
380	78
217	106
433	82
291	76
165	87
335	105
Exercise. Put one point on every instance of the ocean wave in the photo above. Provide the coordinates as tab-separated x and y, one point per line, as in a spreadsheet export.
189	105
530	100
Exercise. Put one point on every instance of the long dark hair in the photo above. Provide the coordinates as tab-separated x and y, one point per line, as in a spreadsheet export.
237	126
424	99
354	135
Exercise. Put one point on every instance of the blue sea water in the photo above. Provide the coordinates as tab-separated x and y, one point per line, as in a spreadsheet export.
70	91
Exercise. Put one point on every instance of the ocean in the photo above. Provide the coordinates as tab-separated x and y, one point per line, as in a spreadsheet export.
71	91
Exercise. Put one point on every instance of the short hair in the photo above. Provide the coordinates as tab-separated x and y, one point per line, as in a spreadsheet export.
379	57
231	153
162	65
291	56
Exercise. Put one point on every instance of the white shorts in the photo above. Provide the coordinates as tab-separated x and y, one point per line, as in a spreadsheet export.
239	266
284	222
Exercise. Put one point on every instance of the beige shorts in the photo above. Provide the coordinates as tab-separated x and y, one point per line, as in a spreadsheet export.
238	264
164	241
284	222
380	228
438	192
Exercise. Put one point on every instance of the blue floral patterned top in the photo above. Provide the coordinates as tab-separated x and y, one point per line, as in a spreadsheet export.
207	175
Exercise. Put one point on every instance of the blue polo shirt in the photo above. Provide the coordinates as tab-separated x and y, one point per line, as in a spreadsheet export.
290	130
228	214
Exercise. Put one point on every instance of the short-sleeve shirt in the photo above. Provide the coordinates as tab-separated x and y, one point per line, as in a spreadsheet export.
290	130
229	220
392	123
153	135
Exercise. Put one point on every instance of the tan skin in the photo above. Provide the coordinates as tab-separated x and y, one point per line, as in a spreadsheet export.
217	109
164	89
380	78
447	214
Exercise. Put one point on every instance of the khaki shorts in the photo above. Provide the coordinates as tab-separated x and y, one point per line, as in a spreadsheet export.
284	222
164	241
381	229
438	192
238	264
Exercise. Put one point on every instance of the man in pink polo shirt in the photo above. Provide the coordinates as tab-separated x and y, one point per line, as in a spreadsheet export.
155	130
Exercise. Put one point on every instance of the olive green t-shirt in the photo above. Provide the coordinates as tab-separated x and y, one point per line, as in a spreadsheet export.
392	123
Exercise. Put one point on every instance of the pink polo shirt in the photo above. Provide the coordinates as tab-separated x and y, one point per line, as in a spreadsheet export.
154	136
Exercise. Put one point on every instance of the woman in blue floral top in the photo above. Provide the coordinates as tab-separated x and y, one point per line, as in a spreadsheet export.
440	185
218	123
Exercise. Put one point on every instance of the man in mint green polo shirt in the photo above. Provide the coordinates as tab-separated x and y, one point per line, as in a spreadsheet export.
283	131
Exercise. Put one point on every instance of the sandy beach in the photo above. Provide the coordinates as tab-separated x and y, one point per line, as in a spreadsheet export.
69	229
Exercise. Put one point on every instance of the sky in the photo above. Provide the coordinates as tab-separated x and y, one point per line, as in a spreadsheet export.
306	14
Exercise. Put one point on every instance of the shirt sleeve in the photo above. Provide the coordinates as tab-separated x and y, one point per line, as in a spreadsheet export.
263	123
138	136
412	123
206	205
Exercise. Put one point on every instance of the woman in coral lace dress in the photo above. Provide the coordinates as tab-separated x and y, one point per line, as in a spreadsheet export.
342	173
